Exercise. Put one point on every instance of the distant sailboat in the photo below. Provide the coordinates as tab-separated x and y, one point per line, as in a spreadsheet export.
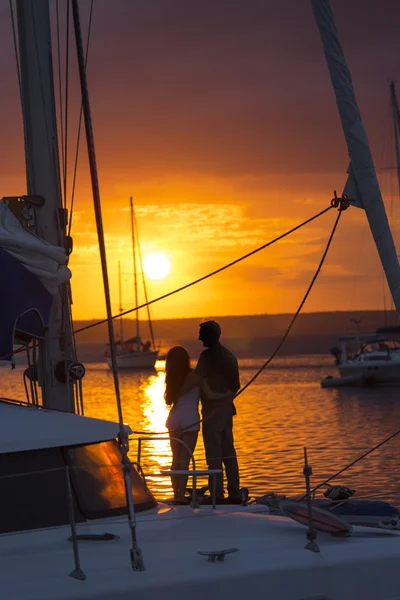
133	353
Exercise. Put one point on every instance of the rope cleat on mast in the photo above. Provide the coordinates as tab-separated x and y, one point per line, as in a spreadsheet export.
340	202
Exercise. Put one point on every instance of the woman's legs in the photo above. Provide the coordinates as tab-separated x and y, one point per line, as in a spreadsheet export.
176	451
190	439
181	459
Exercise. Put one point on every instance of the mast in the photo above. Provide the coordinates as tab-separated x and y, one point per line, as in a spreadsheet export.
396	123
135	552
121	325
144	284
134	266
362	185
43	179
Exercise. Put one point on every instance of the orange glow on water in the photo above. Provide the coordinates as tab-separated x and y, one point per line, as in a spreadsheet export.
155	414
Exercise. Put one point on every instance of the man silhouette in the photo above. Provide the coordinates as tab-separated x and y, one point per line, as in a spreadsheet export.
220	367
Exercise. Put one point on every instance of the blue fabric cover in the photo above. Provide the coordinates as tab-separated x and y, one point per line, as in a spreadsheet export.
25	303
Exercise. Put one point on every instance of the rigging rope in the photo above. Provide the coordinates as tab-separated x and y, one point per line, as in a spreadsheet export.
296	314
60	96
79	126
15	47
342	205
217	271
135	552
65	167
354	462
17	60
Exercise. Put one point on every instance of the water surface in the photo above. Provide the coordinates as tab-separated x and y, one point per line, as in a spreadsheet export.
283	411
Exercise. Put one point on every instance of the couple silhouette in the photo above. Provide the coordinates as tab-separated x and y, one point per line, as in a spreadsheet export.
213	383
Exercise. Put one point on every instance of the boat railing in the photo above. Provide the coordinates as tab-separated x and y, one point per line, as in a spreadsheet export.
194	472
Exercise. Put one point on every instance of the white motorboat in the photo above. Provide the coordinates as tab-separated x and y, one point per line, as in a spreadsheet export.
366	359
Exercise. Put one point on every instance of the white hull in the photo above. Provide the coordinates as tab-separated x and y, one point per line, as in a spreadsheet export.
272	557
135	360
379	372
376	362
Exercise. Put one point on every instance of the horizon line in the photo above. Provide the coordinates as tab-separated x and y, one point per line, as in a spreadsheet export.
316	312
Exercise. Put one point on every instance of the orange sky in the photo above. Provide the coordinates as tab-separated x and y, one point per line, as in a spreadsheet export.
203	229
222	125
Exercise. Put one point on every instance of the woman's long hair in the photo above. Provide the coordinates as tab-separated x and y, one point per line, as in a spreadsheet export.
177	367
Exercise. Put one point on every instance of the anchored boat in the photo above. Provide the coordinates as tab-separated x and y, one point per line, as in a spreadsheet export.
365	359
133	353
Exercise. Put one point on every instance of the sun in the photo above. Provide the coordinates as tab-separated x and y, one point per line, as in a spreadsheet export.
156	266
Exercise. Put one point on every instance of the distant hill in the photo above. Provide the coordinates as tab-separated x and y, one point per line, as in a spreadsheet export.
251	335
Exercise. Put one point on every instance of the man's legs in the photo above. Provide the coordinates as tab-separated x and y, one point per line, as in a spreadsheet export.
230	460
213	446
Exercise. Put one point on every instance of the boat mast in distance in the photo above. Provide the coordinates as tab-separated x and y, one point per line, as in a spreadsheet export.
121	324
43	179
144	284
133	353
362	185
135	271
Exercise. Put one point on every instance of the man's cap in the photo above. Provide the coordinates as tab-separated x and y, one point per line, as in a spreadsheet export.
211	326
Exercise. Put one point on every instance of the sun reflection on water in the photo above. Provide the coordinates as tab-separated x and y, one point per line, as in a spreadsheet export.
154	409
155	414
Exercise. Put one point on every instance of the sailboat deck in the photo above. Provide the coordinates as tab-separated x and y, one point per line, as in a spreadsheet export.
271	556
25	428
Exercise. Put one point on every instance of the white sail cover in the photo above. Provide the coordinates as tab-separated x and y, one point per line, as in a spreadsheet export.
47	262
351	189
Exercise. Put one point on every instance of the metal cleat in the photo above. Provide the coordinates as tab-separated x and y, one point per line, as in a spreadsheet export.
217	554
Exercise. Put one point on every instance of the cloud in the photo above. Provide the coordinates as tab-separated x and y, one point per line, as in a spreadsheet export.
257	273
